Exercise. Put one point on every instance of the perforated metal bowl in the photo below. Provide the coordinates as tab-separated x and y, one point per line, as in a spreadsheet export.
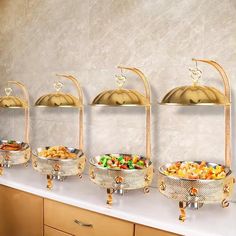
58	167
9	158
125	179
205	191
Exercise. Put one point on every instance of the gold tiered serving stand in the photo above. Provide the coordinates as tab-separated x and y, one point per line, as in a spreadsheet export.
9	158
194	193
56	167
120	180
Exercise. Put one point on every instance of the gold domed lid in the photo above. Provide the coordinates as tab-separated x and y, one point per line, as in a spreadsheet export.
10	101
195	94
120	96
58	99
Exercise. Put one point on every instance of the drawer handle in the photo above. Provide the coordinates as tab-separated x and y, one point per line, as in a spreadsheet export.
82	224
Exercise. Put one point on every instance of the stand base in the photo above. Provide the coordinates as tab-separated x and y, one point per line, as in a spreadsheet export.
194	206
121	192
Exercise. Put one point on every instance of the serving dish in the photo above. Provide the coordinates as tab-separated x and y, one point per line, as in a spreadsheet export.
58	168
193	191
11	157
53	166
15	152
119	180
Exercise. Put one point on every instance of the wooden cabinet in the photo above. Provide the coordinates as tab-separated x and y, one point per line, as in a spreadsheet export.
21	213
141	230
81	222
48	231
24	214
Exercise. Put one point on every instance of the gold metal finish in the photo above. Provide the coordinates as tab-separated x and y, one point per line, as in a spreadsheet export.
200	95
195	95
224	203
146	190
49	181
226	189
182	216
92	175
12	102
127	179
162	186
193	192
1	169
125	97
119	179
119	97
204	95
110	191
9	101
58	168
186	190
60	99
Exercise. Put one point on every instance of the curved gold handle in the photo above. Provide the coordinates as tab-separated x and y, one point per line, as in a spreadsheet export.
82	223
224	76
77	85
148	108
227	109
142	77
81	113
27	114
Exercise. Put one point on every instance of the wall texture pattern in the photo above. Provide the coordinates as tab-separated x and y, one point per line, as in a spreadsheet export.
88	39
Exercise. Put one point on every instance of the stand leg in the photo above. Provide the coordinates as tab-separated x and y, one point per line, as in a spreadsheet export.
146	190
182	216
80	175
1	169
110	191
49	181
224	203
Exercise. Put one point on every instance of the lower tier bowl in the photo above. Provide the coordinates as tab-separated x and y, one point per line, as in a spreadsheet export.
58	167
195	190
117	179
10	158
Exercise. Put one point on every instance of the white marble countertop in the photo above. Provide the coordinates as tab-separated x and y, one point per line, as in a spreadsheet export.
152	209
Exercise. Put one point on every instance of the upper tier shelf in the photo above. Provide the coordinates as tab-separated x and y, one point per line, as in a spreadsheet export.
124	97
61	99
10	101
198	94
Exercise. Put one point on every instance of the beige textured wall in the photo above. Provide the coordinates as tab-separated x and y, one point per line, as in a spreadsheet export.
88	38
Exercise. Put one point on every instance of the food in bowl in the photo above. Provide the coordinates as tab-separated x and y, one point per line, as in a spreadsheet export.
122	161
10	145
195	170
57	152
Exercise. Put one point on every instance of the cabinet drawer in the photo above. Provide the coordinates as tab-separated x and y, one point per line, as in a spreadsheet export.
82	222
141	230
48	231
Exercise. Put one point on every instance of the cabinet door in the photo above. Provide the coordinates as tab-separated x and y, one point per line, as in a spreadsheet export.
80	222
141	230
48	231
21	213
